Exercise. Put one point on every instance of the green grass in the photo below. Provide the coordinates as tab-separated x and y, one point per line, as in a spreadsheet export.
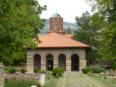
7	68
6	72
100	79
52	82
20	83
42	71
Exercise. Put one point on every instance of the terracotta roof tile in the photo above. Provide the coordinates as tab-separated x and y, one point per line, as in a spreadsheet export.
57	40
71	36
54	40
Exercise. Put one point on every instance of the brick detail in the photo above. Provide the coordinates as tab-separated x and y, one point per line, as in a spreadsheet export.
30	68
58	22
68	65
43	67
82	64
55	63
56	52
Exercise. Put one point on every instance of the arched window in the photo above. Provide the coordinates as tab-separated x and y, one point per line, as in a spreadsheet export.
75	62
55	27
49	62
37	62
62	61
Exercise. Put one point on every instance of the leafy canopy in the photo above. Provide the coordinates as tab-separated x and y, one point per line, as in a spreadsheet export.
19	22
105	16
87	34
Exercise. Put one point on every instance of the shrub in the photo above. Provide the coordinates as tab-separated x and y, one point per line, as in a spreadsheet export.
57	71
93	69
89	73
23	70
103	67
12	70
36	70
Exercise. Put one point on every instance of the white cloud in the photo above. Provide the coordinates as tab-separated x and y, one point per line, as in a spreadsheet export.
68	9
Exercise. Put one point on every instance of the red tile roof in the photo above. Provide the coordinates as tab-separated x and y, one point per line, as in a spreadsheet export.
55	40
71	36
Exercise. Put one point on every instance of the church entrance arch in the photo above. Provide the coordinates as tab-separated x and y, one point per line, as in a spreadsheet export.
75	62
37	61
49	62
62	61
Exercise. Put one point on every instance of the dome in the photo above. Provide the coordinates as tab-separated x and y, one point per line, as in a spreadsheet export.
56	15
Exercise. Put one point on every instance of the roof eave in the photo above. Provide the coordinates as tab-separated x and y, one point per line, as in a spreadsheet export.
61	47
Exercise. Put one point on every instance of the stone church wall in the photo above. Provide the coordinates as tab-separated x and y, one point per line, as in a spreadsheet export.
56	52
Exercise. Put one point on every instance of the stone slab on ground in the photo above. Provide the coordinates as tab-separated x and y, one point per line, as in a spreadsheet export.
75	79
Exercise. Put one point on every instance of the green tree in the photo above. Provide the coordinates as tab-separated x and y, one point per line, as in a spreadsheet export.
105	16
104	11
108	44
88	34
19	23
68	30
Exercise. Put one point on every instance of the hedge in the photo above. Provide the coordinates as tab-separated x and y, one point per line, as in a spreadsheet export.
93	69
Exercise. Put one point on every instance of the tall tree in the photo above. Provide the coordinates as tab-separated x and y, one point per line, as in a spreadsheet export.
106	17
108	44
87	34
19	22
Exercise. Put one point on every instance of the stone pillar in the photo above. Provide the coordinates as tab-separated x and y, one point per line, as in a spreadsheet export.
55	63
68	65
30	66
43	64
82	64
1	74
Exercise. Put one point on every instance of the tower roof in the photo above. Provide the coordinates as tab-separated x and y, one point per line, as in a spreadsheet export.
56	15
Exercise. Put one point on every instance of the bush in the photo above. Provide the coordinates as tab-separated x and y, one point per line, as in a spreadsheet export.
36	70
93	69
103	67
57	71
90	73
12	70
23	70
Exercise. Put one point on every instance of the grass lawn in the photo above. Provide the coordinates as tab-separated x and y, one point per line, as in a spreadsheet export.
20	83
52	82
104	82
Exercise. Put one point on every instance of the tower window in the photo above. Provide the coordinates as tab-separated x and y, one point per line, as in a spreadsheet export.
55	27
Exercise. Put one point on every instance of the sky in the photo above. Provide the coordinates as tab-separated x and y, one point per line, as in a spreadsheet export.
68	9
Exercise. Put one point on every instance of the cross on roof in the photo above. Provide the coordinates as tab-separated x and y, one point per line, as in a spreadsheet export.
56	10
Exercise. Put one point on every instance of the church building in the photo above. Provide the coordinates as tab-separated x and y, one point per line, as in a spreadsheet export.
57	49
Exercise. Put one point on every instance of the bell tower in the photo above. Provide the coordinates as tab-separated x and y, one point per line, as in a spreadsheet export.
56	24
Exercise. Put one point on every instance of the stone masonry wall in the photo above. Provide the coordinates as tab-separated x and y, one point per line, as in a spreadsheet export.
56	52
1	75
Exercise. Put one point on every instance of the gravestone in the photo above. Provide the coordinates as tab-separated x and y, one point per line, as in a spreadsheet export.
41	79
1	74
